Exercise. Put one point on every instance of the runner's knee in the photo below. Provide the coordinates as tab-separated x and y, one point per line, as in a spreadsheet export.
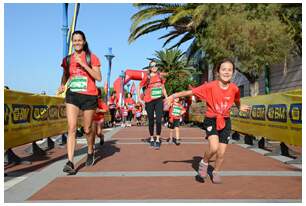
72	129
87	130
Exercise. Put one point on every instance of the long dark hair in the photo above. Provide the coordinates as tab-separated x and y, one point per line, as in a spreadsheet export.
86	47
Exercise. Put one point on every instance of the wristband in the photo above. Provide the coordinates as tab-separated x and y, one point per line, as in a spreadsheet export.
173	96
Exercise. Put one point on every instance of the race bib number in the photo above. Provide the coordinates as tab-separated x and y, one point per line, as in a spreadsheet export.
78	84
130	106
176	111
156	92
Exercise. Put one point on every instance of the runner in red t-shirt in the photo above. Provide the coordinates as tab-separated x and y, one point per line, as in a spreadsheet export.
81	95
112	104
219	95
138	113
130	103
124	113
98	119
176	111
153	97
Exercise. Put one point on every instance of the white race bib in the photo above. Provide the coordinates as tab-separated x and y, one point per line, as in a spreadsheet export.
78	84
156	92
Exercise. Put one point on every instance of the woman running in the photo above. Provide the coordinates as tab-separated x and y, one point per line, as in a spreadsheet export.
130	103
112	104
153	97
219	95
81	70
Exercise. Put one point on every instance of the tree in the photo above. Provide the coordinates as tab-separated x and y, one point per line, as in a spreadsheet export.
253	42
254	34
177	17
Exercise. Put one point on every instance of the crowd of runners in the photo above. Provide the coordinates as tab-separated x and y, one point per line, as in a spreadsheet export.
81	70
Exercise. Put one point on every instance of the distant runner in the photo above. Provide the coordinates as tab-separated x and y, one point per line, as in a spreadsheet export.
153	97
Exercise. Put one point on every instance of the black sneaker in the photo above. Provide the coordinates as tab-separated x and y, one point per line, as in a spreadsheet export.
69	168
157	145
101	141
152	143
90	159
177	141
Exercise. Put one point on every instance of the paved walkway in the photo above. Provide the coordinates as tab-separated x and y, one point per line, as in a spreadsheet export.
127	170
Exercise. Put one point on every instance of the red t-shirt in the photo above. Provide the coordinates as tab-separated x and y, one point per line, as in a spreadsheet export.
218	100
153	89
138	110
100	115
130	103
76	71
124	112
113	102
175	111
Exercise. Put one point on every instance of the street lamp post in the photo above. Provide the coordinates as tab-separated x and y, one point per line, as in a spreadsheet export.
109	57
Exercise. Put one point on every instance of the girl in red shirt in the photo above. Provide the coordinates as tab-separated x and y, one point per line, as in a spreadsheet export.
124	112
130	103
176	110
138	113
81	94
219	95
153	97
98	119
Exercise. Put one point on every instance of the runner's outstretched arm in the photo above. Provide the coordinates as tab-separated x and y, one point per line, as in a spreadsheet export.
165	91
179	94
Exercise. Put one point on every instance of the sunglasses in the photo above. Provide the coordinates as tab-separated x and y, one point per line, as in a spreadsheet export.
153	64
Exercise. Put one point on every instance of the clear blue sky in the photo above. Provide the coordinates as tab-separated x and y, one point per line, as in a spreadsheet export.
33	42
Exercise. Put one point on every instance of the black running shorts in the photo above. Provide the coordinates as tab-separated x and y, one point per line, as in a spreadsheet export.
224	134
175	123
82	101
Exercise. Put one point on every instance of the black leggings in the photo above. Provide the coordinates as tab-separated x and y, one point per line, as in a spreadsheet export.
112	113
157	106
130	116
166	116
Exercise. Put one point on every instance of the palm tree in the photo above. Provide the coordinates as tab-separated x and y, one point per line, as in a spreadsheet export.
176	16
187	21
174	64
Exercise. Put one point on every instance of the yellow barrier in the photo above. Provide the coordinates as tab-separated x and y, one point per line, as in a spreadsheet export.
276	116
30	117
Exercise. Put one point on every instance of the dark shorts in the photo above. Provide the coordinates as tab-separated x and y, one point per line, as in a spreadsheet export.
82	101
175	123
224	134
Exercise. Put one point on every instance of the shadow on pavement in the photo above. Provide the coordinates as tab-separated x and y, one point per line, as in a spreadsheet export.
108	149
195	165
